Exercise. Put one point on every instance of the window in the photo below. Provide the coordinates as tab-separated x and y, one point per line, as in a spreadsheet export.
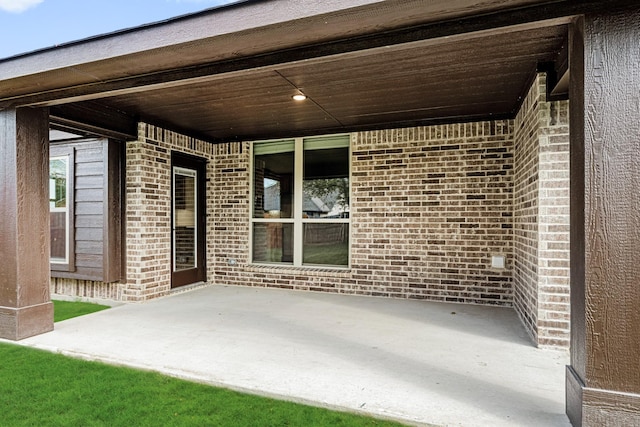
301	201
61	209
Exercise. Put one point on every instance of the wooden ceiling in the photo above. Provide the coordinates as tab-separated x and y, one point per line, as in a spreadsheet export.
370	65
480	78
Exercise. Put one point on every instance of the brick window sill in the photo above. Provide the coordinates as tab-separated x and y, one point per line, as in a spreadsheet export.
307	270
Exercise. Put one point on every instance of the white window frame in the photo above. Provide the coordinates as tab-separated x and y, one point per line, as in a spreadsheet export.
298	197
53	209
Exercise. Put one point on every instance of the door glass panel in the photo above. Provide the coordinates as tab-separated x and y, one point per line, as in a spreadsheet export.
184	218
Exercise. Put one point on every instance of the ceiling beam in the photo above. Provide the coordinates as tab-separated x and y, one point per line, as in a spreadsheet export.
558	89
548	14
96	119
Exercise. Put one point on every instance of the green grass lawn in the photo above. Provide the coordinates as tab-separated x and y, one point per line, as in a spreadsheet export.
329	254
38	388
44	389
63	310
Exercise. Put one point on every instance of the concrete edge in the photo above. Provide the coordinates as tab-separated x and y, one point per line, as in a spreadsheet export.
196	378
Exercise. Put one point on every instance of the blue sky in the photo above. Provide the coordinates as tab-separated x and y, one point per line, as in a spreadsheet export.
27	25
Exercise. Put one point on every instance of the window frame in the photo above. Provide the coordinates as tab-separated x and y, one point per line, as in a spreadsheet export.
298	219
67	265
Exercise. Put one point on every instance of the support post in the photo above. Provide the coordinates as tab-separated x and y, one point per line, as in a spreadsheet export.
603	381
25	304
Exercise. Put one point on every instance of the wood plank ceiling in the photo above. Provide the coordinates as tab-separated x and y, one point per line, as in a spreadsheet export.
225	75
402	85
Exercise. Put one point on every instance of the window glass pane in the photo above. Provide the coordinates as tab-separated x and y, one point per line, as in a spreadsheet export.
59	227
58	236
273	242
326	244
326	183
273	185
58	182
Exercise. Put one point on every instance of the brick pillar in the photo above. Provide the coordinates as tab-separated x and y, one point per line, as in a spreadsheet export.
25	305
603	381
148	213
541	217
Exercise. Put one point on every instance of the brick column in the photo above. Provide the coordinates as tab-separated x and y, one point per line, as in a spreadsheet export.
148	213
25	305
541	217
603	381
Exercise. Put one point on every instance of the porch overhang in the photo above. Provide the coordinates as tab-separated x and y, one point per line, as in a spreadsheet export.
229	73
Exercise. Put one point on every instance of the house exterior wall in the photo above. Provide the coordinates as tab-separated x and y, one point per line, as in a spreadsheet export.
96	248
148	211
429	206
147	218
527	147
541	217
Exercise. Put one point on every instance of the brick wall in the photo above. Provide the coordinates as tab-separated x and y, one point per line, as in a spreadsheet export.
430	205
148	208
148	221
525	207
554	226
541	217
229	209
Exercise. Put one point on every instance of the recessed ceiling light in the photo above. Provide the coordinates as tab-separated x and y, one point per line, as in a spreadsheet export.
299	97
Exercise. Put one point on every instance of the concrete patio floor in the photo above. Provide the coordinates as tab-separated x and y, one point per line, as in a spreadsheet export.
415	361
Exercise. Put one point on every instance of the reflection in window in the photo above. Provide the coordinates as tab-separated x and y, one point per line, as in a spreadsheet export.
326	244
301	201
273	242
273	180
326	182
58	209
326	198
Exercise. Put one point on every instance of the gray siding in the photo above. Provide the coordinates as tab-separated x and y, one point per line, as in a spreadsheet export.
97	206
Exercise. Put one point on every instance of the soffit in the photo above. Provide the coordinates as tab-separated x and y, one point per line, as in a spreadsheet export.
403	85
246	29
463	64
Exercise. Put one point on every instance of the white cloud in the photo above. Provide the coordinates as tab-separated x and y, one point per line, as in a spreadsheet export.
18	6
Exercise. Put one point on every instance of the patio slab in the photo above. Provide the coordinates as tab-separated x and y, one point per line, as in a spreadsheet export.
415	361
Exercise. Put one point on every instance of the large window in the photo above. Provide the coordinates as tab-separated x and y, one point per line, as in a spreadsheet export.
301	201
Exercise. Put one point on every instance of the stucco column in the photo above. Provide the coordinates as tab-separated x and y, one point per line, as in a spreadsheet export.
25	305
603	381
